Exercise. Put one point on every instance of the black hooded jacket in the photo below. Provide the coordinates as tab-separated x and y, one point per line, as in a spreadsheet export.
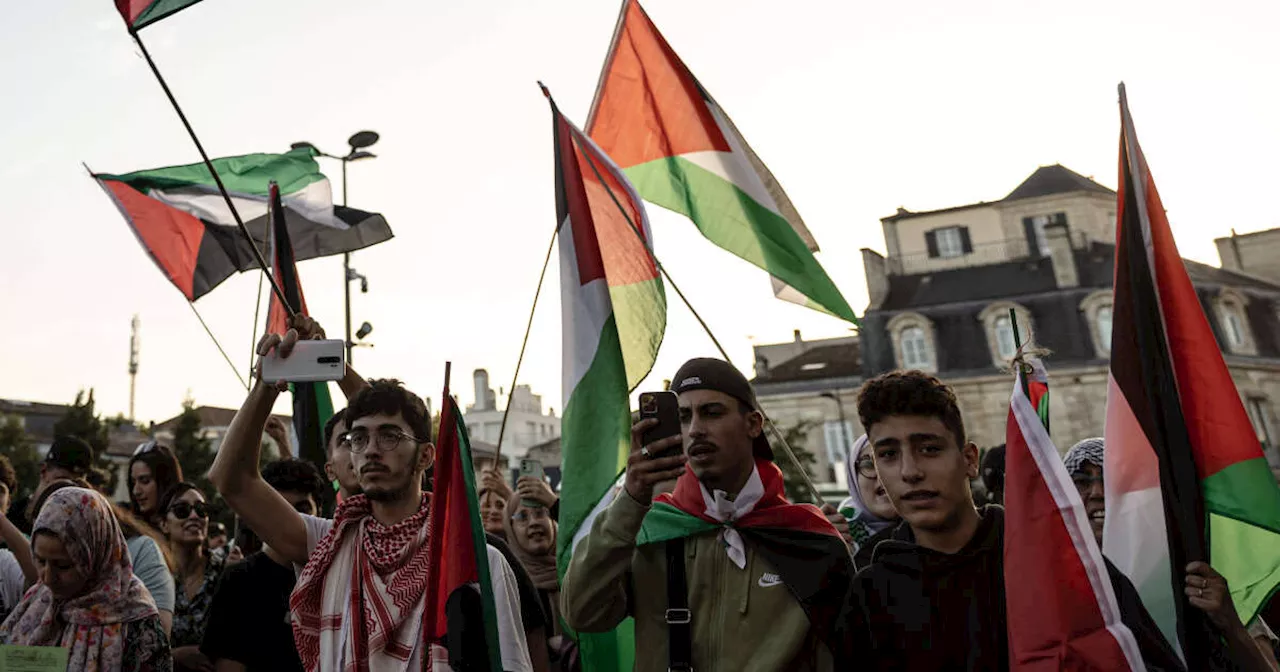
915	609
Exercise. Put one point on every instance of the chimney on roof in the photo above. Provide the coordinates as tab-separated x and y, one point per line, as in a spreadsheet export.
798	339
1229	252
1058	239
902	210
762	366
877	272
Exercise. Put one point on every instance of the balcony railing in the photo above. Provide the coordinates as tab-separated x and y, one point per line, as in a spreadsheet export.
983	254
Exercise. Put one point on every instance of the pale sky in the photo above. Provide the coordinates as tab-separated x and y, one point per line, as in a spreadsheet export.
857	108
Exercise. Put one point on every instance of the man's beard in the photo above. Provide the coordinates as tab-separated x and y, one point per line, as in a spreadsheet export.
398	492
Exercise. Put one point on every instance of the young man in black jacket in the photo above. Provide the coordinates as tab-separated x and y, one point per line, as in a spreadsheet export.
933	595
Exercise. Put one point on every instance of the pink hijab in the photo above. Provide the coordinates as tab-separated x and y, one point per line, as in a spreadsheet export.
91	624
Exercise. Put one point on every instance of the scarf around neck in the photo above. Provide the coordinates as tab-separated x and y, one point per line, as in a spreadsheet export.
92	624
723	509
374	574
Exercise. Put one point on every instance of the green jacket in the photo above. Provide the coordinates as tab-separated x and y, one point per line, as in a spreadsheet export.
744	620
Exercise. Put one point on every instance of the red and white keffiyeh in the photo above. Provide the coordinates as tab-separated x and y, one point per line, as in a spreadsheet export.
375	572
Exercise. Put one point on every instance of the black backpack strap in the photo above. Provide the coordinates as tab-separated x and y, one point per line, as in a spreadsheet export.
678	616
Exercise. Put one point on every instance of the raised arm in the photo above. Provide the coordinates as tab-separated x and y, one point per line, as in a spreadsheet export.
21	549
235	468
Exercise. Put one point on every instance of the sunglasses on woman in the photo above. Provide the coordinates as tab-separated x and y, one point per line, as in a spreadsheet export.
183	510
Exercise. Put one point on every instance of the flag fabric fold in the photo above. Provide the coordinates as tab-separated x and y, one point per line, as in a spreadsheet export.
312	405
682	152
614	315
138	14
1186	478
182	221
459	565
1072	620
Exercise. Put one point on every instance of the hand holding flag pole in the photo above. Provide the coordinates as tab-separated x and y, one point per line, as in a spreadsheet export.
786	447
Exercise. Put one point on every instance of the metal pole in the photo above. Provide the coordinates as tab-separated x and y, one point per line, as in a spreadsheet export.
346	271
844	432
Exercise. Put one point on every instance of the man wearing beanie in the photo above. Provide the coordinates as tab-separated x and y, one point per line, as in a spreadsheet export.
723	573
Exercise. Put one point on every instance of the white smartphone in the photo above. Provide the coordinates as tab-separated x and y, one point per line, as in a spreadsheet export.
310	362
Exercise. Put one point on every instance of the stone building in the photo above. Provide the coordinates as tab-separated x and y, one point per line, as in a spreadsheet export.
1255	253
527	424
940	301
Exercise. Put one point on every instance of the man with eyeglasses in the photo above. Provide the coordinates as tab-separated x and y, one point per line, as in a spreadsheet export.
362	593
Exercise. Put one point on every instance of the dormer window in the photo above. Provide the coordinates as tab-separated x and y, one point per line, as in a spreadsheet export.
1234	323
913	342
1037	242
999	327
1097	311
948	242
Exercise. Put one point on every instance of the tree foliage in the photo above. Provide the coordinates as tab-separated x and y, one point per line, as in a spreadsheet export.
797	437
22	454
82	421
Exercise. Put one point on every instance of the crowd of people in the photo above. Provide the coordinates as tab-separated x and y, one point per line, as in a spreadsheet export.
700	548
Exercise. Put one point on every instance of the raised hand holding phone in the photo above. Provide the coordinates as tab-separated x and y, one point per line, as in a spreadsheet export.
300	355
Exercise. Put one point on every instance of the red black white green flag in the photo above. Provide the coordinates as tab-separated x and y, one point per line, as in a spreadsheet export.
459	599
1072	619
312	405
138	14
1186	479
183	222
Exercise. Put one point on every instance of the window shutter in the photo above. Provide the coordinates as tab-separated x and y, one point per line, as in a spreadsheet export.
966	243
1033	245
931	242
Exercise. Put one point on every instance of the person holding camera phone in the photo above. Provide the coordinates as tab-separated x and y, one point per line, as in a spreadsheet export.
755	582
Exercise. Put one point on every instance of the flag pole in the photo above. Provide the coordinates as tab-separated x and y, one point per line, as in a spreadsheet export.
786	447
448	369
219	345
212	171
502	431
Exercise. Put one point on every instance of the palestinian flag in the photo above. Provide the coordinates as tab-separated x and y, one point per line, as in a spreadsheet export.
682	152
312	406
1072	620
614	313
459	559
183	222
796	539
1186	479
138	14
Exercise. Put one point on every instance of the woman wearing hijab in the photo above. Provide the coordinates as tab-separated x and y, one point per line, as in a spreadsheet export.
868	507
87	599
531	530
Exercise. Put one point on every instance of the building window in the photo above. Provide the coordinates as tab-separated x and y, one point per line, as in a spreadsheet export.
912	336
1234	323
915	351
1006	345
948	242
999	327
1103	328
1257	408
1037	242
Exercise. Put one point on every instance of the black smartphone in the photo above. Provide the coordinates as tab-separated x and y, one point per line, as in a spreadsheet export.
665	408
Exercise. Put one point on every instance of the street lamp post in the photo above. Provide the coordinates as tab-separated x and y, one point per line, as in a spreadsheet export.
844	427
358	142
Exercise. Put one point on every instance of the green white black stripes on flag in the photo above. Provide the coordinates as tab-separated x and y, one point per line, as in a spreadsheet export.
183	222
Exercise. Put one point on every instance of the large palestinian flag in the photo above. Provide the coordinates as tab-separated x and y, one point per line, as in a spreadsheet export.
1186	479
614	315
796	539
312	405
138	14
1072	620
682	152
183	221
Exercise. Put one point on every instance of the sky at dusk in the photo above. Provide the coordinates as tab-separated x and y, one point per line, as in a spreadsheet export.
857	108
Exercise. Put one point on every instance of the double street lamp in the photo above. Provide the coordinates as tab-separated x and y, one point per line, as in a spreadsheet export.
358	143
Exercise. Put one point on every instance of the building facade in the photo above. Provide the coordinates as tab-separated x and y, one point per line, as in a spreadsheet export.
527	424
942	296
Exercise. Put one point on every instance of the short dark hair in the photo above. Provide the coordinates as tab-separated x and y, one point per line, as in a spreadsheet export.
909	393
388	396
993	469
331	425
295	476
7	475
